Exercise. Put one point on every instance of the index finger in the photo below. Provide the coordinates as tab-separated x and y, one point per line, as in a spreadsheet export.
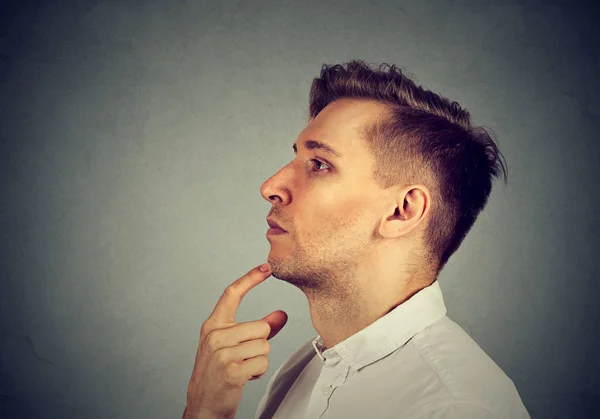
227	306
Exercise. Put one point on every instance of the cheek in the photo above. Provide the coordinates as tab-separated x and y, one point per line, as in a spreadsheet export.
340	209
341	216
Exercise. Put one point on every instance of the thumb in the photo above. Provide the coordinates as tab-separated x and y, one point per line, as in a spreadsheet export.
276	320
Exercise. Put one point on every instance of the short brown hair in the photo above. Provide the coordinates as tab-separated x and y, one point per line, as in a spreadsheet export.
422	138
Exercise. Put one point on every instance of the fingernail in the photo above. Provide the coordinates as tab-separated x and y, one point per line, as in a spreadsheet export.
264	267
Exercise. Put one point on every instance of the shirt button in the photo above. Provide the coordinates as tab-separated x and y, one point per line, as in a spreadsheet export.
326	390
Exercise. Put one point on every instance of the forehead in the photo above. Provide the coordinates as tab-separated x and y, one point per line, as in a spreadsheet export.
340	122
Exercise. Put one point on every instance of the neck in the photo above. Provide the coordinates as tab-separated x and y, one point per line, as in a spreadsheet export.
341	311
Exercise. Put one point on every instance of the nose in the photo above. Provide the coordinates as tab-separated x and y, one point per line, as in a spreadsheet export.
273	189
270	192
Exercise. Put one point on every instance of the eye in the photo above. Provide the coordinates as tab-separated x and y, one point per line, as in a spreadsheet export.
320	163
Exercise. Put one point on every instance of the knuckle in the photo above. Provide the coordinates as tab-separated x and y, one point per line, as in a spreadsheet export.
222	358
266	328
231	290
265	364
266	346
231	372
204	329
212	340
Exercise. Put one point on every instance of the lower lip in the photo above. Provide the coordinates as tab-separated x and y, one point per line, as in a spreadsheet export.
272	231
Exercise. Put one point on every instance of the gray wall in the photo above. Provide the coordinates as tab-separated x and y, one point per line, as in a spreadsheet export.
135	137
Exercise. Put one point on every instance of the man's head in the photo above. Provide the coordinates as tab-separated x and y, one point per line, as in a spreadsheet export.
409	180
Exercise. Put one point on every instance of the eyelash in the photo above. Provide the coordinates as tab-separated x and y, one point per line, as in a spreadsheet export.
320	162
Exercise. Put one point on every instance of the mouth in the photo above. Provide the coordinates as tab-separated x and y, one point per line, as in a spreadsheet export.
274	225
275	231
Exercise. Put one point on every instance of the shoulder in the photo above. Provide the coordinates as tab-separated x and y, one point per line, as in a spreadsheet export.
451	352
455	410
473	382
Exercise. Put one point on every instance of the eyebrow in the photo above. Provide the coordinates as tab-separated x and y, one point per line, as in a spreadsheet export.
317	145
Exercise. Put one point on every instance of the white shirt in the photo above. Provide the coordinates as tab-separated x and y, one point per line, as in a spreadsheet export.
412	363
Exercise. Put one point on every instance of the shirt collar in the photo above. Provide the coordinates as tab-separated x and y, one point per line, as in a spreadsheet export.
389	332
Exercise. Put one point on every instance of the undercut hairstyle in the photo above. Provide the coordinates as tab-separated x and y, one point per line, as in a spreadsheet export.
420	138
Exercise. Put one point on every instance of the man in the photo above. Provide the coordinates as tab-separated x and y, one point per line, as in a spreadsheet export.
387	180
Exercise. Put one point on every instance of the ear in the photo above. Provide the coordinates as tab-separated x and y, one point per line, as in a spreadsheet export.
412	206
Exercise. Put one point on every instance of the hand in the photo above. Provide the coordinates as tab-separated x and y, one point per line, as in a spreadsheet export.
229	353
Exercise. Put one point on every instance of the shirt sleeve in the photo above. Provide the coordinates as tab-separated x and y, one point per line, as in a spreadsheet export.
457	410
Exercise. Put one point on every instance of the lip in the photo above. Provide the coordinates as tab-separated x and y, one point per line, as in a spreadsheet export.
275	231
273	224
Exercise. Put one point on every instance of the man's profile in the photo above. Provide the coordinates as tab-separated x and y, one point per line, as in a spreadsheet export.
387	181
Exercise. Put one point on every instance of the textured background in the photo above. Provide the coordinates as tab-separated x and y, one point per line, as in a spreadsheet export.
135	137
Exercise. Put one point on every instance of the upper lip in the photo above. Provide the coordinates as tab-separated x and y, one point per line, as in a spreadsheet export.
274	224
